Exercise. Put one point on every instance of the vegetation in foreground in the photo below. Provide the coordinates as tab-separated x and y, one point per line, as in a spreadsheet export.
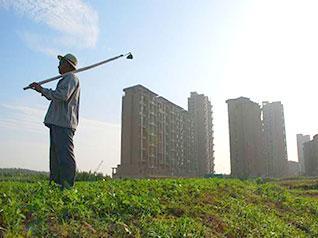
160	208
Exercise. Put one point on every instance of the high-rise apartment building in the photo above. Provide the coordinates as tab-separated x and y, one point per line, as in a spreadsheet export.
275	139
246	138
200	110
301	139
157	137
311	157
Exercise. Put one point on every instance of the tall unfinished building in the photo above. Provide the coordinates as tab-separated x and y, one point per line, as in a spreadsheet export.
275	139
301	139
246	138
311	157
200	110
157	137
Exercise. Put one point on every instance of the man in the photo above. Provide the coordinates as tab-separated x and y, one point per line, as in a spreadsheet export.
62	118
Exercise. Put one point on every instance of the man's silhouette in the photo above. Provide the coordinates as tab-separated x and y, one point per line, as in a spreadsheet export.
62	118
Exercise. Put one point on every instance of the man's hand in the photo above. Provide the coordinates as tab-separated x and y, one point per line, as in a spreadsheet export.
37	87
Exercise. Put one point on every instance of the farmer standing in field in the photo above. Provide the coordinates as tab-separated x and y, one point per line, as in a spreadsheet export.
62	118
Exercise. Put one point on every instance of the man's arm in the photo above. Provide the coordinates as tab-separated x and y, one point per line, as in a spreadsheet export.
37	87
63	91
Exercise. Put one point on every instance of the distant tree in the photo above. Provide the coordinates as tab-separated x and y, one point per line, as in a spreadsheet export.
90	176
26	175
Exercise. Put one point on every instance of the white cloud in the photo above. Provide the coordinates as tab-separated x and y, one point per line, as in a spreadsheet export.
40	43
24	140
75	22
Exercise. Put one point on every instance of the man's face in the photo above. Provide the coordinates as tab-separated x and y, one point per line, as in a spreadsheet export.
64	67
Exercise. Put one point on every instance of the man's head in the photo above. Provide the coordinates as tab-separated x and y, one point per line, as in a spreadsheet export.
67	63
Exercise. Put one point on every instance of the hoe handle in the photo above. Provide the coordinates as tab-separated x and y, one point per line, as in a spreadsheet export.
78	70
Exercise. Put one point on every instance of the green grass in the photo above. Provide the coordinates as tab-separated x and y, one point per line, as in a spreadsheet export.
160	208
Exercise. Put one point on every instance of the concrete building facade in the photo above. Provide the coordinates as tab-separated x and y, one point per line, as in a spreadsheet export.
157	137
293	168
301	139
275	139
200	110
246	138
311	157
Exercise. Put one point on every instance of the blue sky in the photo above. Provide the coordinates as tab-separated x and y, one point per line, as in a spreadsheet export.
224	49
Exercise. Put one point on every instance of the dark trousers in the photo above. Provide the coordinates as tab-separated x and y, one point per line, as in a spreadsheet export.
62	159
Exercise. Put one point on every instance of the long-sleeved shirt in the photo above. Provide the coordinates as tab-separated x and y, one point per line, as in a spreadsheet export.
64	107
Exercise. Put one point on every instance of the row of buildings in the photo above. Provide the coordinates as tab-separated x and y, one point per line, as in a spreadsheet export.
258	142
161	139
257	138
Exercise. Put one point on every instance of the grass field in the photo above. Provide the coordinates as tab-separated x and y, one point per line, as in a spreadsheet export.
161	208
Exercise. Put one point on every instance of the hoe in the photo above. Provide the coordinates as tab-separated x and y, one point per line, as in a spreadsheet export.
128	56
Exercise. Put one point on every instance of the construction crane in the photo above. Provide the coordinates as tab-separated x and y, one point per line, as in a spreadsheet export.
98	167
